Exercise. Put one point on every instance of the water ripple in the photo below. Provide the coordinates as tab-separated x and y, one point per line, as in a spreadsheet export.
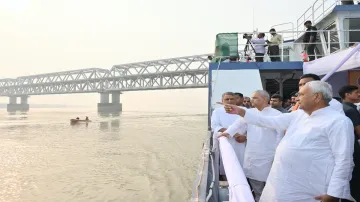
132	157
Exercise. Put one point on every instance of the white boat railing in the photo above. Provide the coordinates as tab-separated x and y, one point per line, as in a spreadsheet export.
239	189
316	12
206	183
280	29
328	41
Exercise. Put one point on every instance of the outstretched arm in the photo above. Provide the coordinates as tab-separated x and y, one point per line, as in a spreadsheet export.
238	127
280	122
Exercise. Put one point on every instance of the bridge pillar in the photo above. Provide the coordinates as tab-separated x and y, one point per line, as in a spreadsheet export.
13	106
24	99
12	100
104	97
106	107
115	97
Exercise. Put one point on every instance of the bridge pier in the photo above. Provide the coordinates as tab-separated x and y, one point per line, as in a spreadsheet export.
105	106
13	106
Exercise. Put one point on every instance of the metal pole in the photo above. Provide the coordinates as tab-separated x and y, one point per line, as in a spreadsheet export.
282	50
323	5
329	42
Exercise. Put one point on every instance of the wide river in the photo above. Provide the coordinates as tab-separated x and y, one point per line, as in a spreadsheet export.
135	156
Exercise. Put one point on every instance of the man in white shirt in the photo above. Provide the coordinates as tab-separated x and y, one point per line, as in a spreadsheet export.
259	47
261	143
220	121
336	105
313	162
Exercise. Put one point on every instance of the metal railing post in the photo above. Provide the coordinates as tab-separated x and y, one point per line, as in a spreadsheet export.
312	14
304	19
282	50
329	42
323	14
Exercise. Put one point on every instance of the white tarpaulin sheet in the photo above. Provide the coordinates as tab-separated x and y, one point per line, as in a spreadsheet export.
326	64
239	189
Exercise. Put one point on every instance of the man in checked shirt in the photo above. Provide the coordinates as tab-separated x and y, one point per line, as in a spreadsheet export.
274	50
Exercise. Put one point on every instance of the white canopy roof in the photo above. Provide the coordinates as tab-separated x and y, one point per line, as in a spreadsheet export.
327	64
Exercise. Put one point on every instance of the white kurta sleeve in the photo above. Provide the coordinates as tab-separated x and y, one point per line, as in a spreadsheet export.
341	139
279	135
215	121
281	121
239	126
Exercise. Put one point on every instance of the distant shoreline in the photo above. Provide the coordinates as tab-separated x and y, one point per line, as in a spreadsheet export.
44	106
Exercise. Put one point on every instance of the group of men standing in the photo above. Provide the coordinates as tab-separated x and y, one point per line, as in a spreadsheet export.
302	156
309	44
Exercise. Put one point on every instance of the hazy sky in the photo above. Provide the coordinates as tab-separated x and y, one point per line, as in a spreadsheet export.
39	36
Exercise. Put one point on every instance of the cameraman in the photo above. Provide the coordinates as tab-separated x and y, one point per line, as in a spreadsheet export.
259	47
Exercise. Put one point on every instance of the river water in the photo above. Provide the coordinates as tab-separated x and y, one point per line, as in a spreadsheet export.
135	156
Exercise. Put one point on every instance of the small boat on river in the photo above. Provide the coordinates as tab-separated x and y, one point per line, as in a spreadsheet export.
79	121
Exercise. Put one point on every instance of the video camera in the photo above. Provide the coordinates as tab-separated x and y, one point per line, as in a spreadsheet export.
247	36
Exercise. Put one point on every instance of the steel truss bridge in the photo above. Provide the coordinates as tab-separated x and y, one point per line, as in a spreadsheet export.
173	73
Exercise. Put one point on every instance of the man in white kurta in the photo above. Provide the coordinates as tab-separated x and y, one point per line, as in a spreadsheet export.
220	121
313	162
336	105
261	143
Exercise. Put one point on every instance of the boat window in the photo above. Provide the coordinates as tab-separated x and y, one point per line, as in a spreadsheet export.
272	86
351	37
290	86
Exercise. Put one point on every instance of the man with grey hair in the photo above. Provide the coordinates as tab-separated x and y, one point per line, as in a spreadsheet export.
314	161
220	121
261	142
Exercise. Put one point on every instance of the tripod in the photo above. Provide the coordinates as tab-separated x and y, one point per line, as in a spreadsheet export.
248	43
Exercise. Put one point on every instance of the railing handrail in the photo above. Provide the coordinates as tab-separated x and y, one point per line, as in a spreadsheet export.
285	23
326	41
320	30
313	9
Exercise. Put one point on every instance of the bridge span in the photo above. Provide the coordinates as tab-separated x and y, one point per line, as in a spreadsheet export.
172	73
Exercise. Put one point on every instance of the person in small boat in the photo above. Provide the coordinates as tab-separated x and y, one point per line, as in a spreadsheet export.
87	118
77	118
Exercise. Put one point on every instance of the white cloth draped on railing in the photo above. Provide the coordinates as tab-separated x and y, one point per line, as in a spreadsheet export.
341	61
239	189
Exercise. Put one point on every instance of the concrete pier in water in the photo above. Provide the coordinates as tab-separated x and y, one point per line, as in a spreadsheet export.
13	106
105	106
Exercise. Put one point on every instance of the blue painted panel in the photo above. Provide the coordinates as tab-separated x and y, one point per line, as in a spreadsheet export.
257	65
347	8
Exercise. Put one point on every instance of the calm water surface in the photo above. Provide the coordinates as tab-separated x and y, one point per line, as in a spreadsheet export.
131	157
